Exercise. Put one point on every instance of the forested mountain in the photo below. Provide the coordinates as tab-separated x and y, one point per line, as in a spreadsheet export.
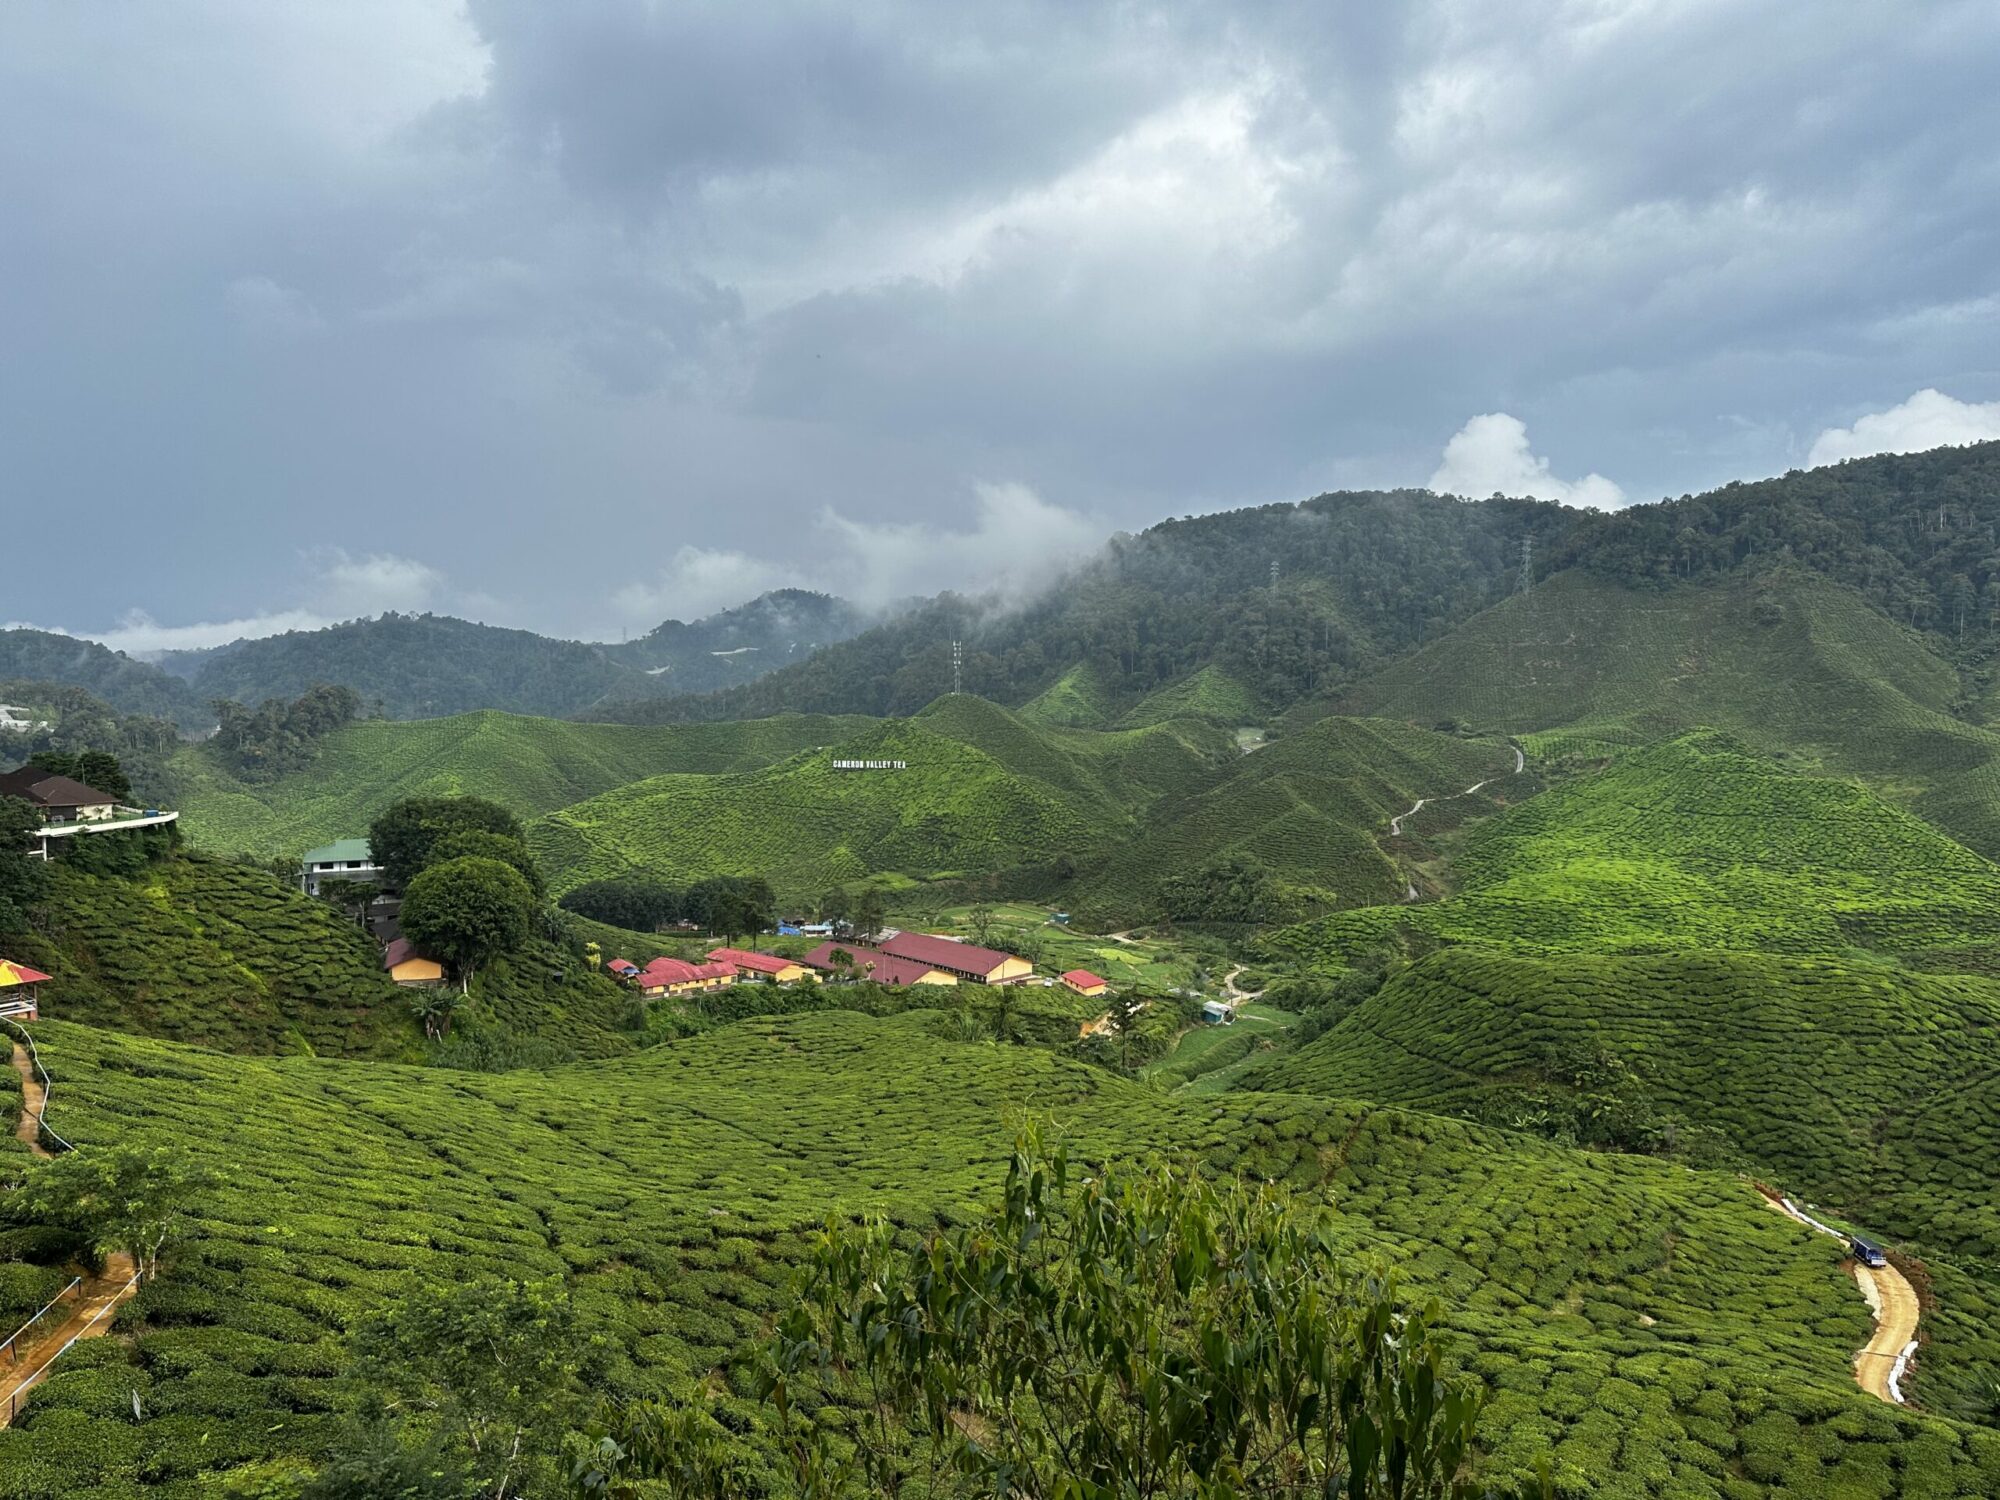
428	666
735	646
1362	578
129	686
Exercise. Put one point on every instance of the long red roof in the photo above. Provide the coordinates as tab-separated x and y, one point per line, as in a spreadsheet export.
12	974
665	971
870	963
760	963
945	953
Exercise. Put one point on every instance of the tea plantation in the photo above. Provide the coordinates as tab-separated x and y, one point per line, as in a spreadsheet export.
1313	807
1694	843
1583	667
530	766
984	789
1863	1088
1657	1330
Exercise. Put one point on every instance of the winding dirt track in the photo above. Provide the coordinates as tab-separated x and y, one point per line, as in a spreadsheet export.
1396	823
1879	1364
90	1314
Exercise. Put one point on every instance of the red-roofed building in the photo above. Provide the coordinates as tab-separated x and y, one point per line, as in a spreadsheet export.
622	968
1084	982
872	963
768	966
674	976
19	989
966	960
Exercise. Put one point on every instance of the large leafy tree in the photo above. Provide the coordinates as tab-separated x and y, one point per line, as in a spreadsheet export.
467	911
406	837
98	769
135	1199
1114	1336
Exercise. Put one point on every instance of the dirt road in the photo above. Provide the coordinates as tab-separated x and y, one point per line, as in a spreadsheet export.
1880	1363
1396	823
1879	1366
89	1316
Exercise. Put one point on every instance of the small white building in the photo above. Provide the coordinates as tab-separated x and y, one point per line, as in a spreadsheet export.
1218	1013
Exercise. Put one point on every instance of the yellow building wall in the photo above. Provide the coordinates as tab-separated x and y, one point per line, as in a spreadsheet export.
1013	968
417	971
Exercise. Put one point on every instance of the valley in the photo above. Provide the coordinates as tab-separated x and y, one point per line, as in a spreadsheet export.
1540	939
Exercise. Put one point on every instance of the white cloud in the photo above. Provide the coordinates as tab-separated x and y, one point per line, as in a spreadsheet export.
1490	455
1929	419
1017	545
344	587
351	586
700	581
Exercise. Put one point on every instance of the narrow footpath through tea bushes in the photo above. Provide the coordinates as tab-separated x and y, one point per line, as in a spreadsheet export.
97	1295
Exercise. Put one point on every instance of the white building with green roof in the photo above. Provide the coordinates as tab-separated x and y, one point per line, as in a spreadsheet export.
344	859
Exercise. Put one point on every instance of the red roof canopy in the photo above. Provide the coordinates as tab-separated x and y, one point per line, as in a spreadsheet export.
870	963
945	953
1083	979
744	958
401	951
12	974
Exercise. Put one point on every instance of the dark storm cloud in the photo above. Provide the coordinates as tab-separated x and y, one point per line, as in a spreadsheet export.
574	315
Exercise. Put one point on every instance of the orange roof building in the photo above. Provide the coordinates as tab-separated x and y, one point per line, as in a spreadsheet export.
966	960
769	966
1084	982
18	990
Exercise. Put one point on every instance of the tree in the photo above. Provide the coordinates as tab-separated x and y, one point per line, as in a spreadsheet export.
467	911
492	1363
1144	1335
1003	1011
22	879
435	1009
980	920
834	906
405	838
1121	1019
842	962
869	913
731	904
374	1463
97	769
478	843
631	902
135	1199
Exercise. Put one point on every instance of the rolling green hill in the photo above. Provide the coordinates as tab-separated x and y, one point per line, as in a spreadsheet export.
983	790
1079	699
1210	694
530	766
1868	1090
1657	1331
1584	667
199	950
1313	807
1695	843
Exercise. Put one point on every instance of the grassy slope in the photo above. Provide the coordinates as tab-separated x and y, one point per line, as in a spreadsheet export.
199	950
529	765
1871	1091
1584	667
1658	1329
1694	843
1312	806
1079	699
984	789
1210	694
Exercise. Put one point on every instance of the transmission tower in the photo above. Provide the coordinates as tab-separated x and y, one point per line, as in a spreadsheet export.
957	668
1527	564
1274	575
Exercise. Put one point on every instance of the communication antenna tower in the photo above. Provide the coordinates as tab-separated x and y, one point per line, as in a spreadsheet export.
957	667
1527	564
1274	574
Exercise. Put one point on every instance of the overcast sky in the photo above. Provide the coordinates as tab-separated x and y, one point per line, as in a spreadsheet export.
577	314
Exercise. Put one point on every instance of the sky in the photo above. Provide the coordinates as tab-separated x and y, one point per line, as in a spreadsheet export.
580	314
